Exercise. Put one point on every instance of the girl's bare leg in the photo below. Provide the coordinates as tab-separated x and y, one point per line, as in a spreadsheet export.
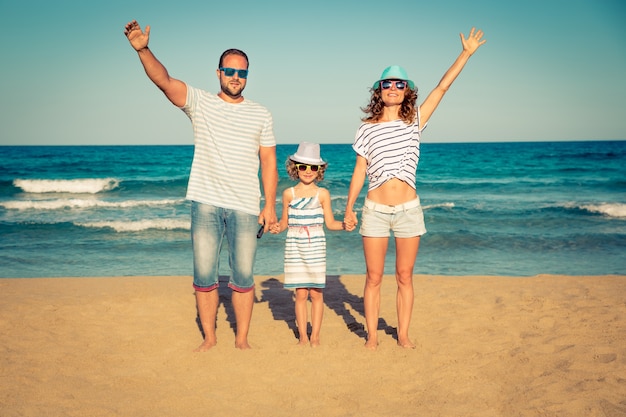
317	314
302	295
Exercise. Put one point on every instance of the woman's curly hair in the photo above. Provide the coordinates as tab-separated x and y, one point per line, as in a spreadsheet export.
374	110
292	170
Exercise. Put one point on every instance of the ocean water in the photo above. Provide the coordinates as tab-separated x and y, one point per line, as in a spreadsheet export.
516	209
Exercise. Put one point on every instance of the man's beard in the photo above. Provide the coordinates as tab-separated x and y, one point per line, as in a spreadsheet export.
234	94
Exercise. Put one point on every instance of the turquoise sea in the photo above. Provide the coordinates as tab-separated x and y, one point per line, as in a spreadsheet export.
516	209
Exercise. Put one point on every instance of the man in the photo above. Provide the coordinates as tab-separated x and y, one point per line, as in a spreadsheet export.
231	136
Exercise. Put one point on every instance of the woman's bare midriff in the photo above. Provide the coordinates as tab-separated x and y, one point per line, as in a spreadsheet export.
392	193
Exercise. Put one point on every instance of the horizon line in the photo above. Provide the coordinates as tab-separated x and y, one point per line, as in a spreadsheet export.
326	143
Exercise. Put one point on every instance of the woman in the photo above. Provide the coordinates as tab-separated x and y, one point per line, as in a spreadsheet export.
387	147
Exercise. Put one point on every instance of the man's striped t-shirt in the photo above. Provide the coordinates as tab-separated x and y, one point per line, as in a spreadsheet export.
227	137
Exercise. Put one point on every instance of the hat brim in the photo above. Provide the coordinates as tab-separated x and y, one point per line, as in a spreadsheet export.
304	160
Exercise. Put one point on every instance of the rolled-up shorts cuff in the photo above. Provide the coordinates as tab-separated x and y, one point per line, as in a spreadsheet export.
206	289
240	289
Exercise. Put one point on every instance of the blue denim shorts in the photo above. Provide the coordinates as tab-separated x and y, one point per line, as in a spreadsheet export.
209	226
405	220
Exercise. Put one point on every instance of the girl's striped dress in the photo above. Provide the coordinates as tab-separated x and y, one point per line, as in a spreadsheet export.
305	246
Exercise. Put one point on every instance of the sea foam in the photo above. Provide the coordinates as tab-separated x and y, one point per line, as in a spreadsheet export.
140	225
78	203
617	210
77	186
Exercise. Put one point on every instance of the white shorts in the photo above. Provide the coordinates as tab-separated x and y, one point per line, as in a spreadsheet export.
405	220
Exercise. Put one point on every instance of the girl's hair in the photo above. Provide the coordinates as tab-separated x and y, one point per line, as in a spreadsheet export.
292	170
374	110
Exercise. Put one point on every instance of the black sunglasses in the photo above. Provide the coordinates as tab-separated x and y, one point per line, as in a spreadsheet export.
386	84
229	72
303	167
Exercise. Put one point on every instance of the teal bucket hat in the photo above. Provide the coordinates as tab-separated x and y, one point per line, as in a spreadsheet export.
394	72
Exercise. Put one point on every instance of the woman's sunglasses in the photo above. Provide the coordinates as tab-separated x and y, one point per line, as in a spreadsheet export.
386	84
303	167
229	72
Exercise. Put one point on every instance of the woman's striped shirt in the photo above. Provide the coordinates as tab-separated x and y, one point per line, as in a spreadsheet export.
392	150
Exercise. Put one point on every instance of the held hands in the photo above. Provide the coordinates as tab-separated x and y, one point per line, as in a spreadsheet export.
350	221
137	38
473	41
268	218
348	224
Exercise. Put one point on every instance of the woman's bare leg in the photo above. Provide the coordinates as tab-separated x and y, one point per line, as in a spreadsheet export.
375	249
406	252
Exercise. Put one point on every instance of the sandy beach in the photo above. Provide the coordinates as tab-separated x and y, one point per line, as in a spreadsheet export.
486	346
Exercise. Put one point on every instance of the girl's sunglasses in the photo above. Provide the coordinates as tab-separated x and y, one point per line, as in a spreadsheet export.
303	167
386	84
229	72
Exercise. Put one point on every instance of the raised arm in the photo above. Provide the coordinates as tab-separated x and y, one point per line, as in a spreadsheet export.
175	90
470	45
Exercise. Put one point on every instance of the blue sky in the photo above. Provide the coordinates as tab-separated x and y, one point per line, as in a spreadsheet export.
550	70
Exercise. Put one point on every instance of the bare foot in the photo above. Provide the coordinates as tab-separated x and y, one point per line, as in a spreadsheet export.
206	345
242	345
406	344
315	342
303	342
371	344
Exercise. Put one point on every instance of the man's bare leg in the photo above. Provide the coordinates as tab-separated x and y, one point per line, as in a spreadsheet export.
242	304
207	302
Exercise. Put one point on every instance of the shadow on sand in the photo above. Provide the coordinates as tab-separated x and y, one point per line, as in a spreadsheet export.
281	303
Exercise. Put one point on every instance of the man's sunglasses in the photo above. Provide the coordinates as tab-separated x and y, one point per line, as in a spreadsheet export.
386	84
303	167
229	72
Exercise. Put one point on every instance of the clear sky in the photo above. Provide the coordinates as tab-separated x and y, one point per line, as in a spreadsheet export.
550	70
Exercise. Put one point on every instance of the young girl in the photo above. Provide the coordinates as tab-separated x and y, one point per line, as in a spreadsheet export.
306	207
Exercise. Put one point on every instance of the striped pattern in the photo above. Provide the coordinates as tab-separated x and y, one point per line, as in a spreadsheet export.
392	150
305	246
227	137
